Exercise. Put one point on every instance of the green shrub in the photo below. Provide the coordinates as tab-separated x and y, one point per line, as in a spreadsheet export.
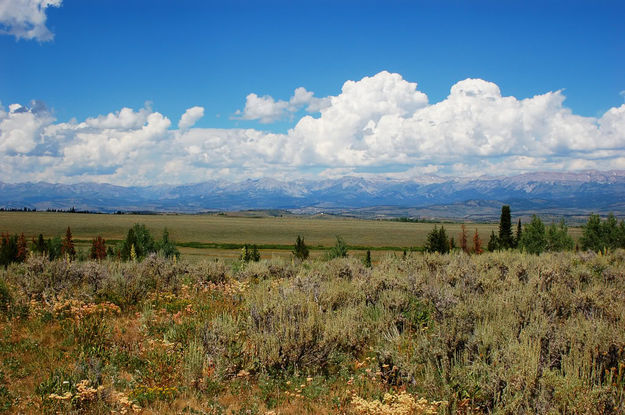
339	250
300	250
138	244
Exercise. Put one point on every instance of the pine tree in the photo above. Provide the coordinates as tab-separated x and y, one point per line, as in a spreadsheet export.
558	239
463	239
505	228
129	242
98	248
54	248
443	242
431	244
40	245
166	247
22	250
437	241
493	242
300	251
140	237
592	236
519	233
533	239
67	248
255	255
477	243
8	249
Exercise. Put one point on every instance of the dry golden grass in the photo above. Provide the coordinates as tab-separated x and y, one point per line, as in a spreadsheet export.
225	229
218	229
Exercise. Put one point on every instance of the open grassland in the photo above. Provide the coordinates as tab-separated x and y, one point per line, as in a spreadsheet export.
501	333
209	235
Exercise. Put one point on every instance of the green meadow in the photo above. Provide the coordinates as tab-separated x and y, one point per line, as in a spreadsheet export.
221	236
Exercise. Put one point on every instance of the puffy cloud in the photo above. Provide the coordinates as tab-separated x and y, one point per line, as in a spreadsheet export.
385	120
190	117
21	127
379	125
301	97
26	19
339	135
266	109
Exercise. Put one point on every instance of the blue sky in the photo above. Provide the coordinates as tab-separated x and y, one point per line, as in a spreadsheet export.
92	58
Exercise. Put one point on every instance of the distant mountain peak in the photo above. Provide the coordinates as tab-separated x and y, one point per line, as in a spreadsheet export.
589	190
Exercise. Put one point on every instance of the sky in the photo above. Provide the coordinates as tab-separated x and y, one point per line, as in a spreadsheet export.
143	92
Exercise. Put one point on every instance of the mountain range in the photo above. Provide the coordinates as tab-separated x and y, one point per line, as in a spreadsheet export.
436	197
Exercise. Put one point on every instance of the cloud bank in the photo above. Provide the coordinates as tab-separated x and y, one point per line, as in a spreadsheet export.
379	125
26	19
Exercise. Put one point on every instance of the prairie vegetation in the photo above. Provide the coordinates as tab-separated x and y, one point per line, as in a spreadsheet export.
215	236
503	332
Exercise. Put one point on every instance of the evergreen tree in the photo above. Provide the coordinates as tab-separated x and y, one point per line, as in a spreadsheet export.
505	228
431	243
610	232
300	250
255	254
127	244
13	248
519	233
443	242
534	239
592	235
339	250
67	248
54	248
437	241
493	242
598	235
8	249
477	243
557	238
140	237
39	245
367	260
22	250
98	248
463	239
166	247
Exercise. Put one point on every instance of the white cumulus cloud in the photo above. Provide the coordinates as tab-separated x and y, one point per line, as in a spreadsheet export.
379	125
190	117
266	109
26	19
21	127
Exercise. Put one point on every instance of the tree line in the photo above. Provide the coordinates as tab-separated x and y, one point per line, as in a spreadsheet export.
534	237
137	244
